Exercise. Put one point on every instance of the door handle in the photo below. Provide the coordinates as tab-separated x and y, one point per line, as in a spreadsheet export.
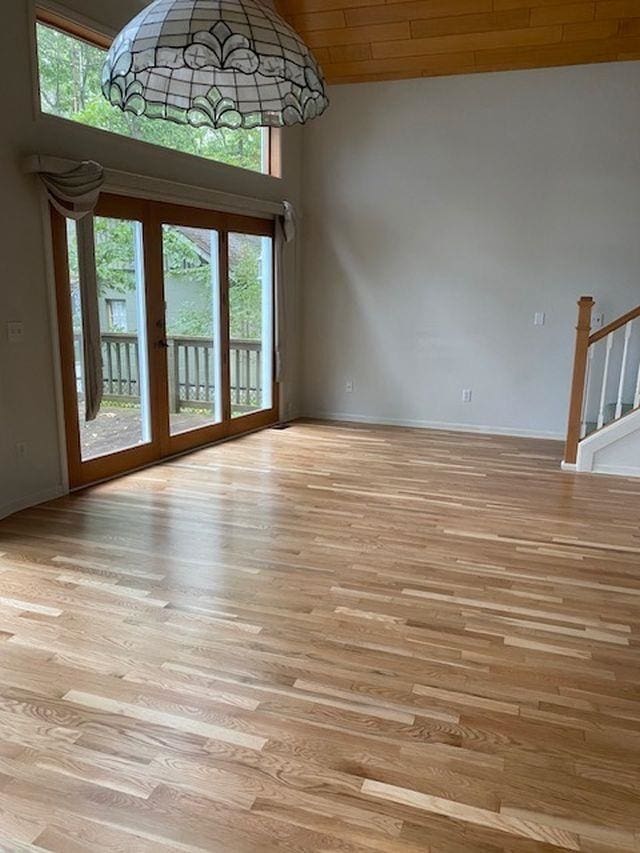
162	344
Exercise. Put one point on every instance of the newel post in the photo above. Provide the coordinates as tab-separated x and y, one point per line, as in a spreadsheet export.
173	368
583	330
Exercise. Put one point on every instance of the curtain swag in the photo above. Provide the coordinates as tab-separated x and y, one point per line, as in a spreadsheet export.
74	193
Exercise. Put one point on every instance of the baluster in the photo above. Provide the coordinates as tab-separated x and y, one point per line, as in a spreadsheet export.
173	385
118	346
237	397
196	361
109	366
187	389
636	399
623	368
259	376
180	350
207	386
80	362
136	370
605	377
231	378
247	376
127	355
105	375
587	392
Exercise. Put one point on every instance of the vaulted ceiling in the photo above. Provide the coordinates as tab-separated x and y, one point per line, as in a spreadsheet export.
361	40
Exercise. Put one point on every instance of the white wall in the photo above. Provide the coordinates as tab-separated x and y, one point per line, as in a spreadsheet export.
440	215
28	411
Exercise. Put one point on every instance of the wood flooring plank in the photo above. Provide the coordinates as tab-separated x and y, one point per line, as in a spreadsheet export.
173	721
470	814
333	637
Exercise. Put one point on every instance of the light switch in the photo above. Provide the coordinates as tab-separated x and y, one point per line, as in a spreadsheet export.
538	318
15	332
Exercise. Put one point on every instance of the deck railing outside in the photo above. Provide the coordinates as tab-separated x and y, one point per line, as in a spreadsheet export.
191	371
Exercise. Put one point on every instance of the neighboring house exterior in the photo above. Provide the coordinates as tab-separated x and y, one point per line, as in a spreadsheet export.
118	309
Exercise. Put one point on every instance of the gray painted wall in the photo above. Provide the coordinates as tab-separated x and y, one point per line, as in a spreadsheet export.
440	215
28	405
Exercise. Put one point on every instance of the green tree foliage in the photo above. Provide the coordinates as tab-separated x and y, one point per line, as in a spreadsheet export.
70	75
245	286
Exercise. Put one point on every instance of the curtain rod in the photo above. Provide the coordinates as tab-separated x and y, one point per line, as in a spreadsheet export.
161	189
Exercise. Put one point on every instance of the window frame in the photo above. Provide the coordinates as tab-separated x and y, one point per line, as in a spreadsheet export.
271	139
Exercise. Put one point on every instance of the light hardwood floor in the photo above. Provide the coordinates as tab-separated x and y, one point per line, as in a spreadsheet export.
329	638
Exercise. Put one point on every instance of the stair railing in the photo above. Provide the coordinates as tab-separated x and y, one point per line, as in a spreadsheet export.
584	369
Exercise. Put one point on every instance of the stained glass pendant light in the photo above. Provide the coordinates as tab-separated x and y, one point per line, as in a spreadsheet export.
216	63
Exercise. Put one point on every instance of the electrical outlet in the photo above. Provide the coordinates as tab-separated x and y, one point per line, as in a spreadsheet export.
15	331
539	318
348	386
21	449
466	395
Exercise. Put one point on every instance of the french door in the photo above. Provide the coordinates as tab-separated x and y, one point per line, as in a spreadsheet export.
183	332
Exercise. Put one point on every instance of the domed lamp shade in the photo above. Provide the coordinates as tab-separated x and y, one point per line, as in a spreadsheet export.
214	63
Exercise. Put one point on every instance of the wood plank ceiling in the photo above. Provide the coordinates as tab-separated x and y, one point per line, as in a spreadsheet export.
364	40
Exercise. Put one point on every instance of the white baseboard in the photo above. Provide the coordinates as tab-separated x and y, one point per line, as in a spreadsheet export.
31	500
420	424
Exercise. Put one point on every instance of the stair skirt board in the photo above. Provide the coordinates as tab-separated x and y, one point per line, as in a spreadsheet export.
597	452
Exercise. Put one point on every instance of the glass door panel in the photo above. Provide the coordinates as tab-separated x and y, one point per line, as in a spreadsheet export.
192	325
123	418
250	323
176	305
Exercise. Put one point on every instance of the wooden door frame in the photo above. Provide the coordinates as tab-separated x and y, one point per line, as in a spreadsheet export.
153	215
